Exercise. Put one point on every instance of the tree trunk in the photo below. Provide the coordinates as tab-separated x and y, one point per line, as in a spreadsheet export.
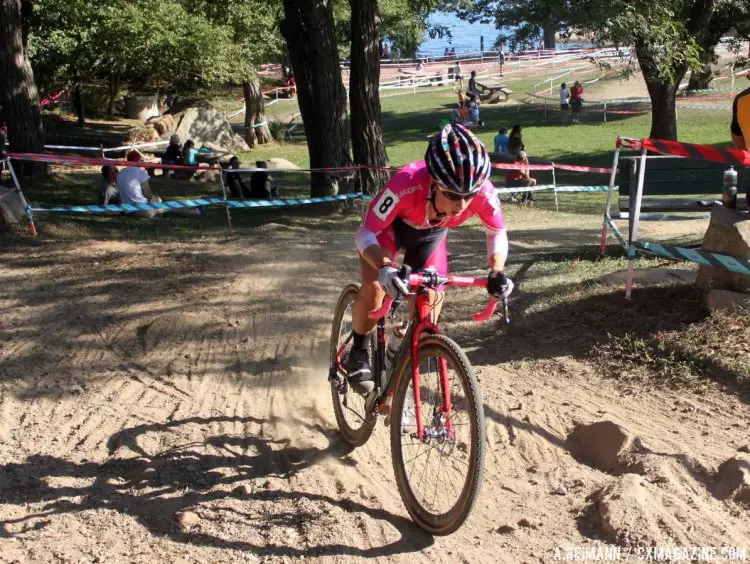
18	95
78	104
256	128
663	110
700	80
308	30
550	34
364	95
114	88
662	93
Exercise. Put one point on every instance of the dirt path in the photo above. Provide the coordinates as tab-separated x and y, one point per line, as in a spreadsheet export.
138	381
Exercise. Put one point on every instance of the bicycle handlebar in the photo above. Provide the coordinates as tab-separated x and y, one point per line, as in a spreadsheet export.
433	280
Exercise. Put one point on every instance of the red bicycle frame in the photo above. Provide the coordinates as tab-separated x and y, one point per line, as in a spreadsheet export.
425	325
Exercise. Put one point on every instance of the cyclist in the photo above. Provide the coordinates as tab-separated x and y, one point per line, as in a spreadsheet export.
412	213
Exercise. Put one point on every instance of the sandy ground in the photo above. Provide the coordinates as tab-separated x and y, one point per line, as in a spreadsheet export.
141	380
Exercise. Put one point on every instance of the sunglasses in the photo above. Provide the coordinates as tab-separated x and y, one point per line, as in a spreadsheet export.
456	197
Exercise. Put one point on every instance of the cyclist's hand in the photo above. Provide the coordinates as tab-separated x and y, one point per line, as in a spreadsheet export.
391	282
499	285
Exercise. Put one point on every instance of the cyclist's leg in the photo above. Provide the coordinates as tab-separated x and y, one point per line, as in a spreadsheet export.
430	253
370	295
369	298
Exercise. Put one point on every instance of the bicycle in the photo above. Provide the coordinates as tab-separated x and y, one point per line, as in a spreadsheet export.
433	405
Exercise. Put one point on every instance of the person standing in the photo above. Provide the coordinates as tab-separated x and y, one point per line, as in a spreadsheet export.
458	77
564	102
472	91
576	101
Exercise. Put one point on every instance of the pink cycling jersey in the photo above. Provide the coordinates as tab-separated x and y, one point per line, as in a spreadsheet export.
406	196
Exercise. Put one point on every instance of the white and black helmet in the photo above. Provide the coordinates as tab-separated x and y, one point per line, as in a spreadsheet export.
457	160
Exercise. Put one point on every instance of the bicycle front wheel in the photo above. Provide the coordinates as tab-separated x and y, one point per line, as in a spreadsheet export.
355	423
438	476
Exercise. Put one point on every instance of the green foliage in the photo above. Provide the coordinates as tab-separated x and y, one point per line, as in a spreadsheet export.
403	23
527	17
194	44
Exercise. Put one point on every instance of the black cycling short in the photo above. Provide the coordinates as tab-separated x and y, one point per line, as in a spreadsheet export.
423	248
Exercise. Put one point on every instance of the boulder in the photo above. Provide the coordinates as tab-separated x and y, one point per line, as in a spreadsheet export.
165	125
728	234
141	107
726	300
11	209
201	122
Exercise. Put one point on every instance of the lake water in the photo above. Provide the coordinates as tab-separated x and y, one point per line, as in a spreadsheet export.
465	35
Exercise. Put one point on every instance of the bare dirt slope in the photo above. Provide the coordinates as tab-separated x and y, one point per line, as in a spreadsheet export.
168	402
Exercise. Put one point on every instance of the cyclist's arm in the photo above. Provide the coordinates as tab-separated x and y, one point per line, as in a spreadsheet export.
497	248
381	212
491	215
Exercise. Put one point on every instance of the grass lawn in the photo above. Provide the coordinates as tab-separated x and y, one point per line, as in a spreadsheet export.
408	120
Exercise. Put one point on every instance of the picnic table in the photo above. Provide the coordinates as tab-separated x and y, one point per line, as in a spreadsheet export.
493	94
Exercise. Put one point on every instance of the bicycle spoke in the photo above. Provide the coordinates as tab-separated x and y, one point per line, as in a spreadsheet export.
438	465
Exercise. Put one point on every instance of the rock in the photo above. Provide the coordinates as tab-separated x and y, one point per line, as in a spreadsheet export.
11	209
559	490
243	489
733	477
526	523
578	483
744	448
726	300
505	529
277	163
187	519
201	122
646	276
519	407
602	444
728	233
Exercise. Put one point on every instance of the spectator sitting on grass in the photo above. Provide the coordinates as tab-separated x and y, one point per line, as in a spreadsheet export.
190	158
463	113
515	140
474	113
134	188
173	154
237	187
501	141
260	184
521	178
107	192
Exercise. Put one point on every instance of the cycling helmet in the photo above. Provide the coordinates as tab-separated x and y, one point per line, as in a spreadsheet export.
457	160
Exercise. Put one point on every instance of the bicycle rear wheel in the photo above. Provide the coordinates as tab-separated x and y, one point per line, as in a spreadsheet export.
355	423
439	476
